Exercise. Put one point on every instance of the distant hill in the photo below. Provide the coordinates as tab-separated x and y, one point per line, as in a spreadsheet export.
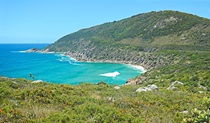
171	45
131	39
143	32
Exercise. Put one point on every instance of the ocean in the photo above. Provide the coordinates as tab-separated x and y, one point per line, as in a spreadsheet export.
59	69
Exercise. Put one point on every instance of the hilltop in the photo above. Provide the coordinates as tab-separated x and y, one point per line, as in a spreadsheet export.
144	32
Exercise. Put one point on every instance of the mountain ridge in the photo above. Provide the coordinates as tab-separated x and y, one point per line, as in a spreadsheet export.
138	26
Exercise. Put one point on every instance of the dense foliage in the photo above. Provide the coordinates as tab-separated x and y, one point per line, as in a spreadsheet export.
200	116
142	32
24	101
191	68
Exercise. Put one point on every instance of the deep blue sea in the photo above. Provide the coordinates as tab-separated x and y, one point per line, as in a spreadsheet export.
57	68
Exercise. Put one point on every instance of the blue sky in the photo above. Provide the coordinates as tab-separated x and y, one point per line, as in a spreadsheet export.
45	21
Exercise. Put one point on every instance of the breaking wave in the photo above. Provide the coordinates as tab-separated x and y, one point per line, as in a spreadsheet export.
64	58
113	74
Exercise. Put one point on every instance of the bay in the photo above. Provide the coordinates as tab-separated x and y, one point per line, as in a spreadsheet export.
59	69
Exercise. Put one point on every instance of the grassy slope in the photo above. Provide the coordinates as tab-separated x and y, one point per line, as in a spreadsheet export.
23	101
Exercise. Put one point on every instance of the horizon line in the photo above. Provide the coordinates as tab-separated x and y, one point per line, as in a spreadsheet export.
25	43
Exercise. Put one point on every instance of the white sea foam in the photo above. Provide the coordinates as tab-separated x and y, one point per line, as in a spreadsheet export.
43	52
18	51
60	60
137	67
65	57
73	59
59	55
113	74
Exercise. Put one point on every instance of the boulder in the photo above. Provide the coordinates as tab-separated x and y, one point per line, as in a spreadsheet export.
203	87
110	99
117	87
143	89
153	87
14	82
37	81
172	86
185	112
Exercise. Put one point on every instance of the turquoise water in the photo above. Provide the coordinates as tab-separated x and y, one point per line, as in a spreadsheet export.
57	68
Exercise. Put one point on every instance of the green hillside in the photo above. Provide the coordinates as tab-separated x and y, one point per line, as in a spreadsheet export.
171	45
138	39
144	32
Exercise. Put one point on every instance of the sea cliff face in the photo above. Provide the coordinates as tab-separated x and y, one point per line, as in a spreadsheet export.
147	60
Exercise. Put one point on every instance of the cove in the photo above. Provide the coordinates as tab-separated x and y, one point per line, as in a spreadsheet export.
58	68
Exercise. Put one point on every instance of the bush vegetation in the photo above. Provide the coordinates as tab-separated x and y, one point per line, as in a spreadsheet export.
23	101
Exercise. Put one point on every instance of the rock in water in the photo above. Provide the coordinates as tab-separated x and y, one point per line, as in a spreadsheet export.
32	50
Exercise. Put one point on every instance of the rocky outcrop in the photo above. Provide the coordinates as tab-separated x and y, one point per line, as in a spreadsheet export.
202	87
116	87
37	81
112	54
37	50
173	84
32	50
152	87
184	112
131	82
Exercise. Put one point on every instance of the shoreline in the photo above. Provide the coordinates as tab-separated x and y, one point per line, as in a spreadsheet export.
82	58
67	54
138	67
129	64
